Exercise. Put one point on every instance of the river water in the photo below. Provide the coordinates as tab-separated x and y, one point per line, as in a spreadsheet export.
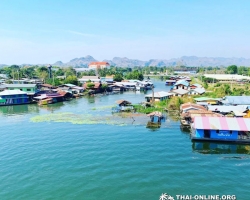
79	150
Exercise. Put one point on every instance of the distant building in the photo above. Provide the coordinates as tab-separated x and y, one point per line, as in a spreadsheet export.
99	65
89	78
185	70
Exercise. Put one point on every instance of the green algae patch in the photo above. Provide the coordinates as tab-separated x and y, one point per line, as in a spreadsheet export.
67	117
64	117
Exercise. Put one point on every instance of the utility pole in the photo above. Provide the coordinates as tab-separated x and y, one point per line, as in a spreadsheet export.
153	94
231	83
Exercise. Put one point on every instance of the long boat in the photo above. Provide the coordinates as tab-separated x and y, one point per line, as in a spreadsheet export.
221	129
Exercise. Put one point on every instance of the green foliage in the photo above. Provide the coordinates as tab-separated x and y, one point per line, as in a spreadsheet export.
146	110
118	77
232	69
71	79
90	85
135	75
205	85
54	81
104	87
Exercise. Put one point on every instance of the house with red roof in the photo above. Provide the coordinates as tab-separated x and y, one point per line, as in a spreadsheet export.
99	65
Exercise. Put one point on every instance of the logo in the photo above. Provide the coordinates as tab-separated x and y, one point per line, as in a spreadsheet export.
165	196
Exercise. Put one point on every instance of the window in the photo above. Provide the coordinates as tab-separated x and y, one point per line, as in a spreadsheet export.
28	89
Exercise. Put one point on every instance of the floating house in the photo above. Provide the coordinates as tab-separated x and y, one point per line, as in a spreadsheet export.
28	88
158	96
222	129
155	119
13	97
170	82
49	97
123	105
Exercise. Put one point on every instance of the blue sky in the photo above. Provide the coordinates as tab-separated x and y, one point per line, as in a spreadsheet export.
35	31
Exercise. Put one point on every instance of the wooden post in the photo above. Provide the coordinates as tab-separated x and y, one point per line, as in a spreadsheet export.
153	94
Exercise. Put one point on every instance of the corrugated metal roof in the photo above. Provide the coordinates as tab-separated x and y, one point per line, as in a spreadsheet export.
222	123
226	109
239	100
11	92
199	90
20	85
159	94
182	82
179	91
203	99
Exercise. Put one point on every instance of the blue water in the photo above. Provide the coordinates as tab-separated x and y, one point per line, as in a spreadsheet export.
52	160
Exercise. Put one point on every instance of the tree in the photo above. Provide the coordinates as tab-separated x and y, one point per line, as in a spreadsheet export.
135	75
71	80
205	85
232	69
90	85
104	87
118	78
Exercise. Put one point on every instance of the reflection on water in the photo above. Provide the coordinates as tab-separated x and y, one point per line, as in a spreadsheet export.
220	148
52	107
185	129
19	109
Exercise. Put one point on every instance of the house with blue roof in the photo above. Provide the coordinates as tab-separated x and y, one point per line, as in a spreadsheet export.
181	84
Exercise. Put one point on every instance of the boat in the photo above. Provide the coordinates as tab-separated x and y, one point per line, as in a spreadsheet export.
45	101
155	119
221	129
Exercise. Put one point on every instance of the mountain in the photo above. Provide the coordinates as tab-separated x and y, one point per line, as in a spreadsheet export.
125	62
193	61
76	62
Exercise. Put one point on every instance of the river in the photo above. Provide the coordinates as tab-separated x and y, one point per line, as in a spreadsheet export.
60	151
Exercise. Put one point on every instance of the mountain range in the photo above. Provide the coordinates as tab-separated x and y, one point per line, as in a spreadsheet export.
185	60
193	61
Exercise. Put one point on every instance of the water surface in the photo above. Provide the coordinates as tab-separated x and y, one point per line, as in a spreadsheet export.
63	160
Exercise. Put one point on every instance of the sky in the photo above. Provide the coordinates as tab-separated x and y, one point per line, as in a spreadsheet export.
38	32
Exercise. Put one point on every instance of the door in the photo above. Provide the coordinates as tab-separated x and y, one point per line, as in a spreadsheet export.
206	133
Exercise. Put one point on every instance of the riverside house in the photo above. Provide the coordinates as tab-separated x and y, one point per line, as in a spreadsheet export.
221	129
181	84
158	96
28	88
13	97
